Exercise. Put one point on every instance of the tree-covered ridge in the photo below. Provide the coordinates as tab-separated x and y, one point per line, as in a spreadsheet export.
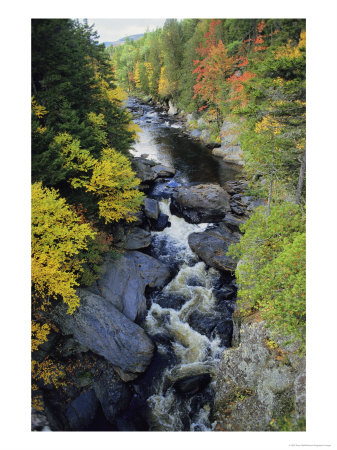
251	73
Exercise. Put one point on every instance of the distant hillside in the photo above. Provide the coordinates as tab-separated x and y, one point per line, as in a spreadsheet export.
133	37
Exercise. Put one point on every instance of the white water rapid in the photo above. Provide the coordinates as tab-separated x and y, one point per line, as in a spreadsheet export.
173	314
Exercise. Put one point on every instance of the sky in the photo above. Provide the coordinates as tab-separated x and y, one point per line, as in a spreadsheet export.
115	29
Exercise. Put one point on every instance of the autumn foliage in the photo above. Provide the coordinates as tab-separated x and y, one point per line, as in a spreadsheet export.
57	238
212	69
114	183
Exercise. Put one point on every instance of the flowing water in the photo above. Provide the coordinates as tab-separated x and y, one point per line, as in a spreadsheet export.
190	318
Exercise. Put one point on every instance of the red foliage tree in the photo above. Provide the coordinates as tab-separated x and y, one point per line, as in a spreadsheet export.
212	70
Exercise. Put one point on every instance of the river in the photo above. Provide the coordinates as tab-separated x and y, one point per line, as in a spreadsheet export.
190	319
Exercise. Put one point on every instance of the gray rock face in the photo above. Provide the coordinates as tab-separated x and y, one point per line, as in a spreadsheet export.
163	171
256	383
143	168
233	222
124	281
39	421
229	143
212	245
114	395
255	204
190	117
100	327
151	208
218	152
148	170
195	133
201	203
173	110
137	238
206	138
81	411
190	385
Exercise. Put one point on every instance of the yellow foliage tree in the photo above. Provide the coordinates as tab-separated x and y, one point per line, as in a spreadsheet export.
136	75
164	87
99	126
39	334
57	237
291	51
38	111
135	129
114	183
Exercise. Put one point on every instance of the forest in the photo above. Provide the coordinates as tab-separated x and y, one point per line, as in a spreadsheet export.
249	72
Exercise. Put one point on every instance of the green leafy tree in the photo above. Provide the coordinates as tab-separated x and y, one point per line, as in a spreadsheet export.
271	270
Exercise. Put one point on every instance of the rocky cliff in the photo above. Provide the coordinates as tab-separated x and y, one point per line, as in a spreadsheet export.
260	382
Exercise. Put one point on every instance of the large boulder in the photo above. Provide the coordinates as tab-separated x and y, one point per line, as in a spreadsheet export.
100	327
163	171
148	170
190	385
82	411
229	143
212	245
143	168
137	238
151	208
233	222
200	203
124	281
113	394
195	133
173	110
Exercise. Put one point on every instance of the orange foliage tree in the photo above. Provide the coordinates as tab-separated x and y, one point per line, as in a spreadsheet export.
212	70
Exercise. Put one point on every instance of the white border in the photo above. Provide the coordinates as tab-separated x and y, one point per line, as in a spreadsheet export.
321	71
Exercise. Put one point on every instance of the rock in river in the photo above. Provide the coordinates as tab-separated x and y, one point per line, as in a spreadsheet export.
99	326
148	170
200	203
151	208
137	238
190	385
124	281
212	245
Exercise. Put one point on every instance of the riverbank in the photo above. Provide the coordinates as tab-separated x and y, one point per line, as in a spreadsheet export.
223	144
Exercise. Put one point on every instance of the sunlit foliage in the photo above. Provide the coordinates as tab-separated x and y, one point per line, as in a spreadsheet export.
57	237
114	183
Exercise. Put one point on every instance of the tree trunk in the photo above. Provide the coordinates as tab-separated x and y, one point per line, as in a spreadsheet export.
301	179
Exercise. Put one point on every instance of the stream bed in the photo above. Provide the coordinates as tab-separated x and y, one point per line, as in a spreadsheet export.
190	318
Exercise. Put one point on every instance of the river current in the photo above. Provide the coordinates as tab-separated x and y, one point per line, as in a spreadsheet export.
190	318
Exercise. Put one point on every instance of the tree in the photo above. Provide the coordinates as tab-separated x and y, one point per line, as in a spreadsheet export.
73	81
269	93
114	183
271	271
212	70
172	52
57	238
